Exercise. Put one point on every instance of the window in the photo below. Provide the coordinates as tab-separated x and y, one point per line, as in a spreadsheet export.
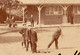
53	10
60	10
50	10
76	9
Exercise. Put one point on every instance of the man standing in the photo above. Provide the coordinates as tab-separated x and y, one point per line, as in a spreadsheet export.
8	21
13	21
32	20
33	40
26	38
25	19
55	38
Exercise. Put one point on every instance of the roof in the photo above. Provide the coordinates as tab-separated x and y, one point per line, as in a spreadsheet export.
50	1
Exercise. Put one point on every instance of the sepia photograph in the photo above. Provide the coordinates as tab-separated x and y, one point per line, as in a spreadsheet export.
39	27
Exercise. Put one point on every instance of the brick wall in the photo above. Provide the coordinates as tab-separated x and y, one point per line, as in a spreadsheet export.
77	19
50	19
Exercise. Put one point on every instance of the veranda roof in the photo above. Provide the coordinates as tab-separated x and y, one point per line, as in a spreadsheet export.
50	1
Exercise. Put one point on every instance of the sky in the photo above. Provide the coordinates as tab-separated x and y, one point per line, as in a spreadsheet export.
29	1
50	1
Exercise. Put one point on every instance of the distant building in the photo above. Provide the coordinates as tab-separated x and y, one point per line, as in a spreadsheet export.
51	12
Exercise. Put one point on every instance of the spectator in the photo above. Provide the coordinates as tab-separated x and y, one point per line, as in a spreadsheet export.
32	20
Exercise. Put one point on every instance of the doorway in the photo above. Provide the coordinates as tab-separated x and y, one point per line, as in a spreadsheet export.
70	14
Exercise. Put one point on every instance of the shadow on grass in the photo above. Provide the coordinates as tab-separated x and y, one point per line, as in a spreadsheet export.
52	50
67	48
10	39
44	51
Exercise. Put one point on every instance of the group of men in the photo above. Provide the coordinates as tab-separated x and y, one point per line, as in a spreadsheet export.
11	22
30	37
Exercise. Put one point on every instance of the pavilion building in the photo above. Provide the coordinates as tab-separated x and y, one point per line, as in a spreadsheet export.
52	12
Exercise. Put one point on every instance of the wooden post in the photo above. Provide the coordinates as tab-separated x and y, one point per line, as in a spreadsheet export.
65	14
23	14
39	10
65	7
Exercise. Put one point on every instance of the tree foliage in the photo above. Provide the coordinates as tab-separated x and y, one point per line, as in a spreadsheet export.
11	4
8	5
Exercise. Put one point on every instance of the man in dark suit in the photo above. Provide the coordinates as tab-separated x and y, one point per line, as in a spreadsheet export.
33	40
26	38
32	20
55	38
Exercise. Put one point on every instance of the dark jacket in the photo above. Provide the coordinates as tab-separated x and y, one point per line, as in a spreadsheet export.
13	20
33	36
8	21
57	33
25	34
32	20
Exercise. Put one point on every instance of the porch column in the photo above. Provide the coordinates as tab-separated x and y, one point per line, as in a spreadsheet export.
65	20
23	14
39	14
23	9
65	14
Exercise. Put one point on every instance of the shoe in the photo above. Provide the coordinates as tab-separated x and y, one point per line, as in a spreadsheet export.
34	52
38	52
26	49
22	43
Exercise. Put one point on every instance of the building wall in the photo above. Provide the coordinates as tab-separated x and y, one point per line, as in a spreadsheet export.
53	19
77	19
49	18
52	14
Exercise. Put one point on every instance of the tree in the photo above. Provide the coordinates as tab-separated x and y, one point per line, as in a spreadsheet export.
3	16
8	5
